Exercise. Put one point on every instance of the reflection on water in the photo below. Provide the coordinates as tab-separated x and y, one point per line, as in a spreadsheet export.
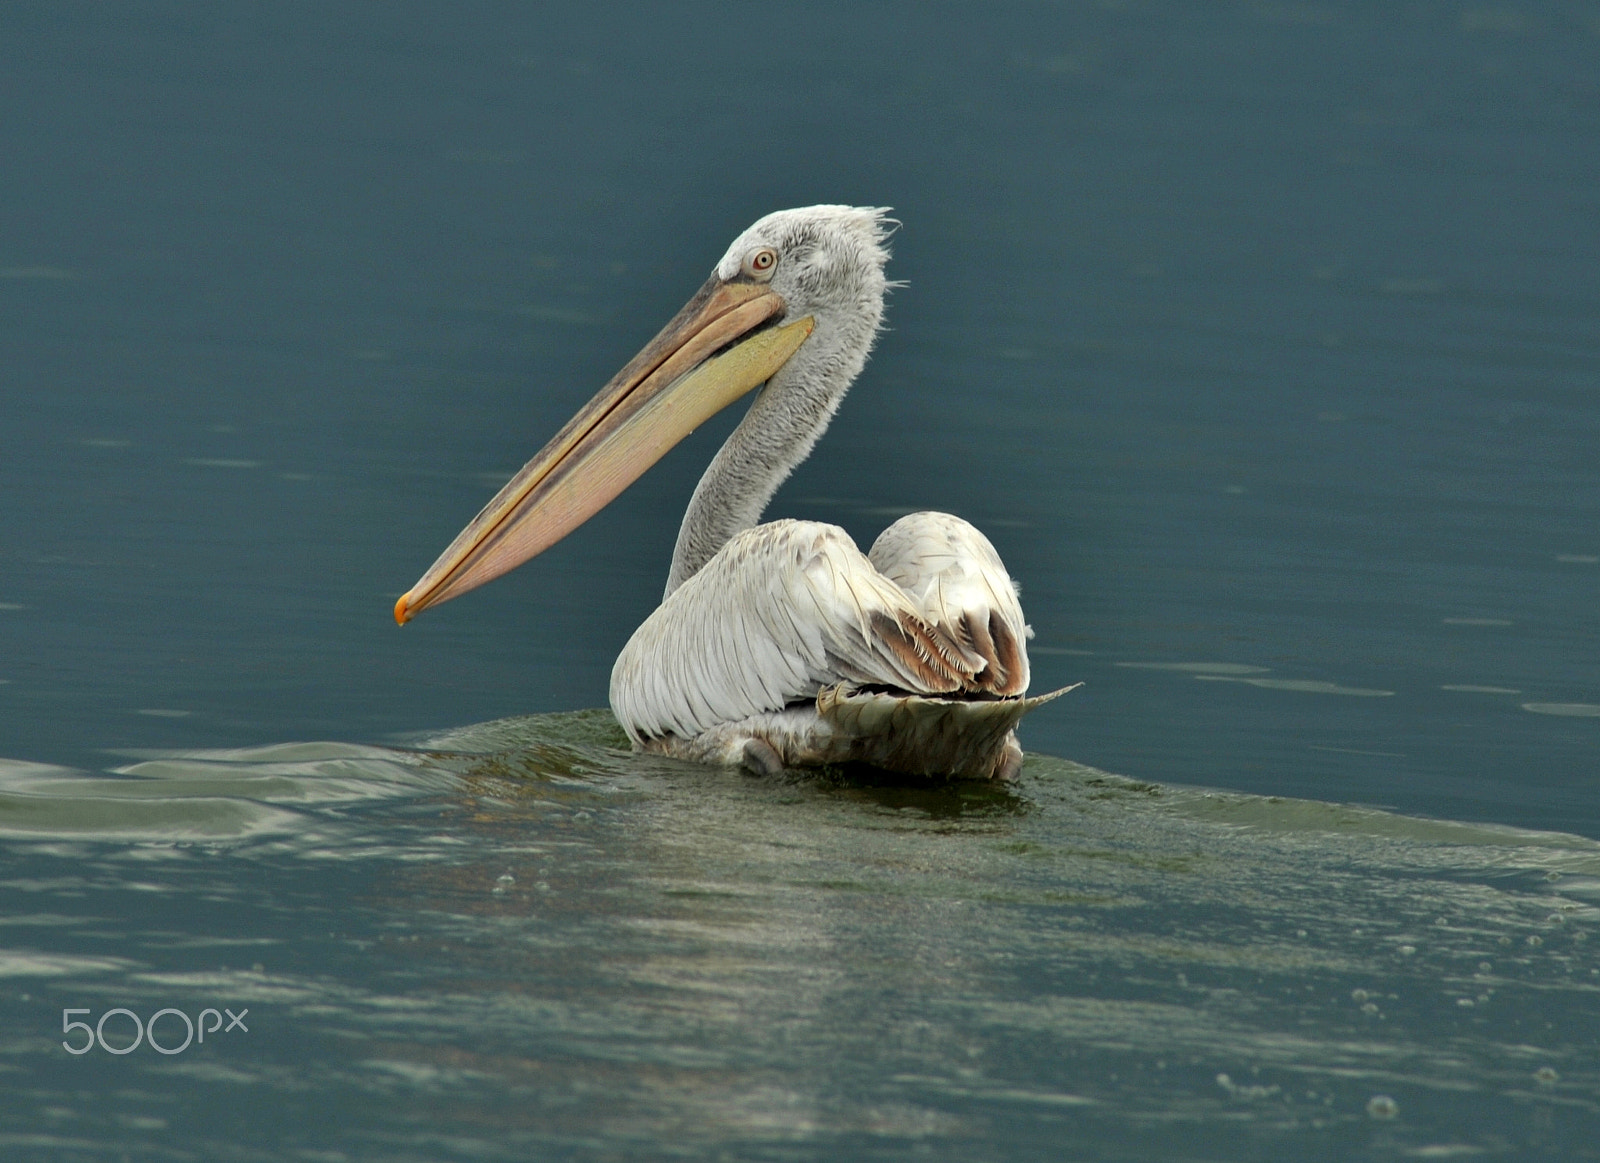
520	940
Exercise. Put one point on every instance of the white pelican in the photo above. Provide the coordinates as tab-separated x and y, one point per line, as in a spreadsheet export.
779	644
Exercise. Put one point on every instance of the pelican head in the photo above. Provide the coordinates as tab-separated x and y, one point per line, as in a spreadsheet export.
795	303
825	262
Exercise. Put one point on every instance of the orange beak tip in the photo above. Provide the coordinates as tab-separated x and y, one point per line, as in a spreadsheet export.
401	614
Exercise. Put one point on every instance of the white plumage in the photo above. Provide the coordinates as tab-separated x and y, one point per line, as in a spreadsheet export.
762	656
777	644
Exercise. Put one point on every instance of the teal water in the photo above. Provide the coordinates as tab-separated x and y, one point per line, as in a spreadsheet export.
520	941
1263	339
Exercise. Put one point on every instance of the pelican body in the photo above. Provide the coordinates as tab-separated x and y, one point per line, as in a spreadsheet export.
777	644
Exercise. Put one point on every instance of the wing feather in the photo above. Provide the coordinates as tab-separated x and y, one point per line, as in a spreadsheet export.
782	611
957	583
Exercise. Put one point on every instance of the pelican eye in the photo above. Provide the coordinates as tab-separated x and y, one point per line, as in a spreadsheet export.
761	263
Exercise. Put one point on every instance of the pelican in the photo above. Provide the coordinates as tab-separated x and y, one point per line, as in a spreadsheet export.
775	645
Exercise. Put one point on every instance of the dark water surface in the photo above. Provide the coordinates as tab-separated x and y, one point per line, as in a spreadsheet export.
1262	339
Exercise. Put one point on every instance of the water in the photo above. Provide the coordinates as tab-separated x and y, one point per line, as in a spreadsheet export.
524	942
1261	339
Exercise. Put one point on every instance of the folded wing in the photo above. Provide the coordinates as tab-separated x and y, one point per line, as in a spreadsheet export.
788	608
956	581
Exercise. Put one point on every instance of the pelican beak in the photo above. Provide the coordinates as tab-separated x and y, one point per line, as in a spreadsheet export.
721	345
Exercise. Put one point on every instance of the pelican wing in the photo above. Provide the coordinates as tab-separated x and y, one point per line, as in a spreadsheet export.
780	612
956	581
